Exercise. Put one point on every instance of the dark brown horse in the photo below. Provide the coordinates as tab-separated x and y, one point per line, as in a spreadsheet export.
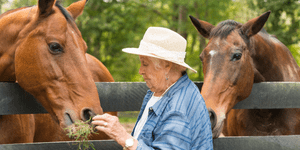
42	48
236	56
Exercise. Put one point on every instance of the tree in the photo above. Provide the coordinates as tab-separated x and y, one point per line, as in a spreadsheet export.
2	2
284	21
22	3
107	26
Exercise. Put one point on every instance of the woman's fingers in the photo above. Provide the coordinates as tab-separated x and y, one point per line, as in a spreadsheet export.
100	123
111	126
102	117
108	124
101	128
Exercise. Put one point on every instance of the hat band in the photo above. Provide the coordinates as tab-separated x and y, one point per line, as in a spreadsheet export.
161	52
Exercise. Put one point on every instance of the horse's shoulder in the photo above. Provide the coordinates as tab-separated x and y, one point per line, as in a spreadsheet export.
99	72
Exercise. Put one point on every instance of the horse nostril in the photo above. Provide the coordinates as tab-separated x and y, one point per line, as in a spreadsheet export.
87	114
213	117
68	119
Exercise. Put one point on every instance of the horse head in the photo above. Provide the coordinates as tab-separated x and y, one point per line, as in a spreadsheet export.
50	60
227	65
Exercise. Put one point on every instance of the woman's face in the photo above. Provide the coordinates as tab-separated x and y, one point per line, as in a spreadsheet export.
153	76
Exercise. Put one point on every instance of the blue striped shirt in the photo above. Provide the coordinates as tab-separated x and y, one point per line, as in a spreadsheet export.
179	120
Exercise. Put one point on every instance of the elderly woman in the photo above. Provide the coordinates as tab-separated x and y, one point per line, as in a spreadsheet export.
173	113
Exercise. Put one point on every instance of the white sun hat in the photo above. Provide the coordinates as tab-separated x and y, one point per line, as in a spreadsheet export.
164	44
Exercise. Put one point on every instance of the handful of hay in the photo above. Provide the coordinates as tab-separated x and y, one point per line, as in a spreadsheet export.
80	131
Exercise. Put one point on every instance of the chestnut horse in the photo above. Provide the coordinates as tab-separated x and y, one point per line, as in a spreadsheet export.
236	56
42	48
47	130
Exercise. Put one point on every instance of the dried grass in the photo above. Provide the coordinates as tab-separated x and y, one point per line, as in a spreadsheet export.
81	131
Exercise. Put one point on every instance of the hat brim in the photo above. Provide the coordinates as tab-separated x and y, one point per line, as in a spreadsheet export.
137	51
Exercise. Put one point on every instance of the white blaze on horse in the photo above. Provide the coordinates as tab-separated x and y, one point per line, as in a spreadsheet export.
236	56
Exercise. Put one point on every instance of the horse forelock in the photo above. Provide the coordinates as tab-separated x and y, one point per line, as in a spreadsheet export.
64	12
68	16
224	28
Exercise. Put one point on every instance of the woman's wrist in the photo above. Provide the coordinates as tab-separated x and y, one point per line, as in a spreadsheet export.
127	142
130	144
122	139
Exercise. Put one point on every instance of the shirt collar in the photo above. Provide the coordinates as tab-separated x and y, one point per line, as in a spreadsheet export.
159	106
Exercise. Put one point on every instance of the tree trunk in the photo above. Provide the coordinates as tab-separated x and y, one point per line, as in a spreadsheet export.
182	21
201	38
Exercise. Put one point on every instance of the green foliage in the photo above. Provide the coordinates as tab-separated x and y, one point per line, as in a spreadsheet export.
80	131
2	2
294	48
128	116
22	3
107	26
127	119
284	21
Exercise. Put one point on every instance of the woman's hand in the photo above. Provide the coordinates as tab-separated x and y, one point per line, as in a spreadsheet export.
111	126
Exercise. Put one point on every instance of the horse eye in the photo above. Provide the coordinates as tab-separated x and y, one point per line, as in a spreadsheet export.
55	48
236	56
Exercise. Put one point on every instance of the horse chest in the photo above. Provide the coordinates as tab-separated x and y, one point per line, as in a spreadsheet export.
261	122
268	122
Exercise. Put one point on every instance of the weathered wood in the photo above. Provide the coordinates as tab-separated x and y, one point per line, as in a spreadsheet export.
125	96
128	96
291	142
121	96
14	100
272	95
68	145
228	143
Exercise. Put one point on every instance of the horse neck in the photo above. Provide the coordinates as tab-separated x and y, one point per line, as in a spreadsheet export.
273	60
11	24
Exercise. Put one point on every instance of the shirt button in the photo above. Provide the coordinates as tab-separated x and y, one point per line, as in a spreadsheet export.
151	109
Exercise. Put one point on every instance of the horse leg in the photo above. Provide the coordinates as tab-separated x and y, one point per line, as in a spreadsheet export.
16	128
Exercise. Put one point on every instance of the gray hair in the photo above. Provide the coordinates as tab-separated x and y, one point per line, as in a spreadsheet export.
157	64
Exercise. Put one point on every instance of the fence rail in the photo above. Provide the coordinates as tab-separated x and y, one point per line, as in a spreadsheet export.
128	96
229	143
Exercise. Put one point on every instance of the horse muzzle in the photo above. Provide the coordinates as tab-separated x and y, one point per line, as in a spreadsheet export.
85	115
215	126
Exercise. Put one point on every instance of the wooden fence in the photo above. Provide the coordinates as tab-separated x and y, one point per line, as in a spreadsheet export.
128	96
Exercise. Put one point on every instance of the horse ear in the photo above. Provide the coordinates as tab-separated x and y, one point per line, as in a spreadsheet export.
76	8
254	25
45	6
203	27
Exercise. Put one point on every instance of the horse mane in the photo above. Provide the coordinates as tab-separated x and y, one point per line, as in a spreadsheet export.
224	28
